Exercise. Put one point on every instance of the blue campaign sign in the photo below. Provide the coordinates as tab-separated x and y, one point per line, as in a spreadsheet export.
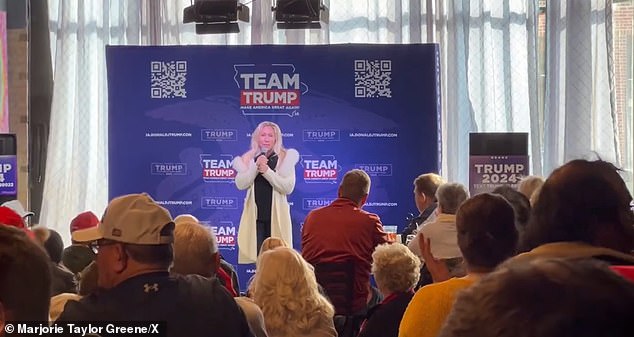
178	115
8	175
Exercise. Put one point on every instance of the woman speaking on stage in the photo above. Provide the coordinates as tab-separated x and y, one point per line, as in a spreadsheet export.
267	172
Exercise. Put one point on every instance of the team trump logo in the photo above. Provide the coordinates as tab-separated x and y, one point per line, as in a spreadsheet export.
320	169
225	234
217	168
273	89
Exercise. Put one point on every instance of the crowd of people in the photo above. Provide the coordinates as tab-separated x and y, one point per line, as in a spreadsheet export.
552	258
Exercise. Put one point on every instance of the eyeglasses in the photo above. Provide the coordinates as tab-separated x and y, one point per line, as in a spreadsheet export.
95	245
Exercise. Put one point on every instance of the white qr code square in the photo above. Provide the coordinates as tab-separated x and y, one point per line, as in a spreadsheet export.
372	78
168	79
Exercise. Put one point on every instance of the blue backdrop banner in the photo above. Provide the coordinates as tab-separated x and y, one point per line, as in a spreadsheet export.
178	116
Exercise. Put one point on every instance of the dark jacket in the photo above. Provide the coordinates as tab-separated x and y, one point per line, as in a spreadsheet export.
228	268
413	223
190	305
77	257
384	319
62	280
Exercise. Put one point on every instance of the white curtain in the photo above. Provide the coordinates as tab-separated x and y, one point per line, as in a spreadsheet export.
489	65
579	113
489	76
76	172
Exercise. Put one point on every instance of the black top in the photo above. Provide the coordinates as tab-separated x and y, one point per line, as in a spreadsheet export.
190	305
77	257
413	223
62	280
384	319
264	192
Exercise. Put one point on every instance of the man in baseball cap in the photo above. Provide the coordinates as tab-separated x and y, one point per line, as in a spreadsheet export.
133	219
10	218
79	255
134	252
17	207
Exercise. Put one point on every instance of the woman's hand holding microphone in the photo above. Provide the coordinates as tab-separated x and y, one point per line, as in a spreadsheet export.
262	163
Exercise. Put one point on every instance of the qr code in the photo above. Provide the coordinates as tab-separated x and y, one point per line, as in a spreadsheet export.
372	78
168	79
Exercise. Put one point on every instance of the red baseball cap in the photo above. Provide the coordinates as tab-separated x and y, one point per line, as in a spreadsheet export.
84	220
9	217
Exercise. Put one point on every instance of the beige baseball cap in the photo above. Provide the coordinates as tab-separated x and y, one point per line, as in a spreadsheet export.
132	218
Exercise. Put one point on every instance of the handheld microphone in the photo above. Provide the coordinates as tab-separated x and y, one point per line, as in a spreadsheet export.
263	152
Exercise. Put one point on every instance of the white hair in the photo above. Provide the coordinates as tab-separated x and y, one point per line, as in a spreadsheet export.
395	267
194	248
529	185
450	196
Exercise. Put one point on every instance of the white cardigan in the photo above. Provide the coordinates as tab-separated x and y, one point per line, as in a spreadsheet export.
283	182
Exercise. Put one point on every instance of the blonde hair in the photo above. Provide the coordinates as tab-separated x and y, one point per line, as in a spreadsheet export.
286	290
41	234
271	243
428	184
278	147
535	196
268	244
529	185
395	267
194	249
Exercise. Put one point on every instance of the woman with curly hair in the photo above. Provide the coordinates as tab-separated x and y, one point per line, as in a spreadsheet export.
286	289
396	271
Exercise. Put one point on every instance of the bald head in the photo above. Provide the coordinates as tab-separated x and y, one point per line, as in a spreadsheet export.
185	218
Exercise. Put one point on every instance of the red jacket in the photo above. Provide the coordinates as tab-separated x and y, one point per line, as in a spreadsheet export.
341	231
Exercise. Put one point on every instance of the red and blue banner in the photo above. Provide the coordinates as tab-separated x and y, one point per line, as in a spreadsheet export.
178	115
